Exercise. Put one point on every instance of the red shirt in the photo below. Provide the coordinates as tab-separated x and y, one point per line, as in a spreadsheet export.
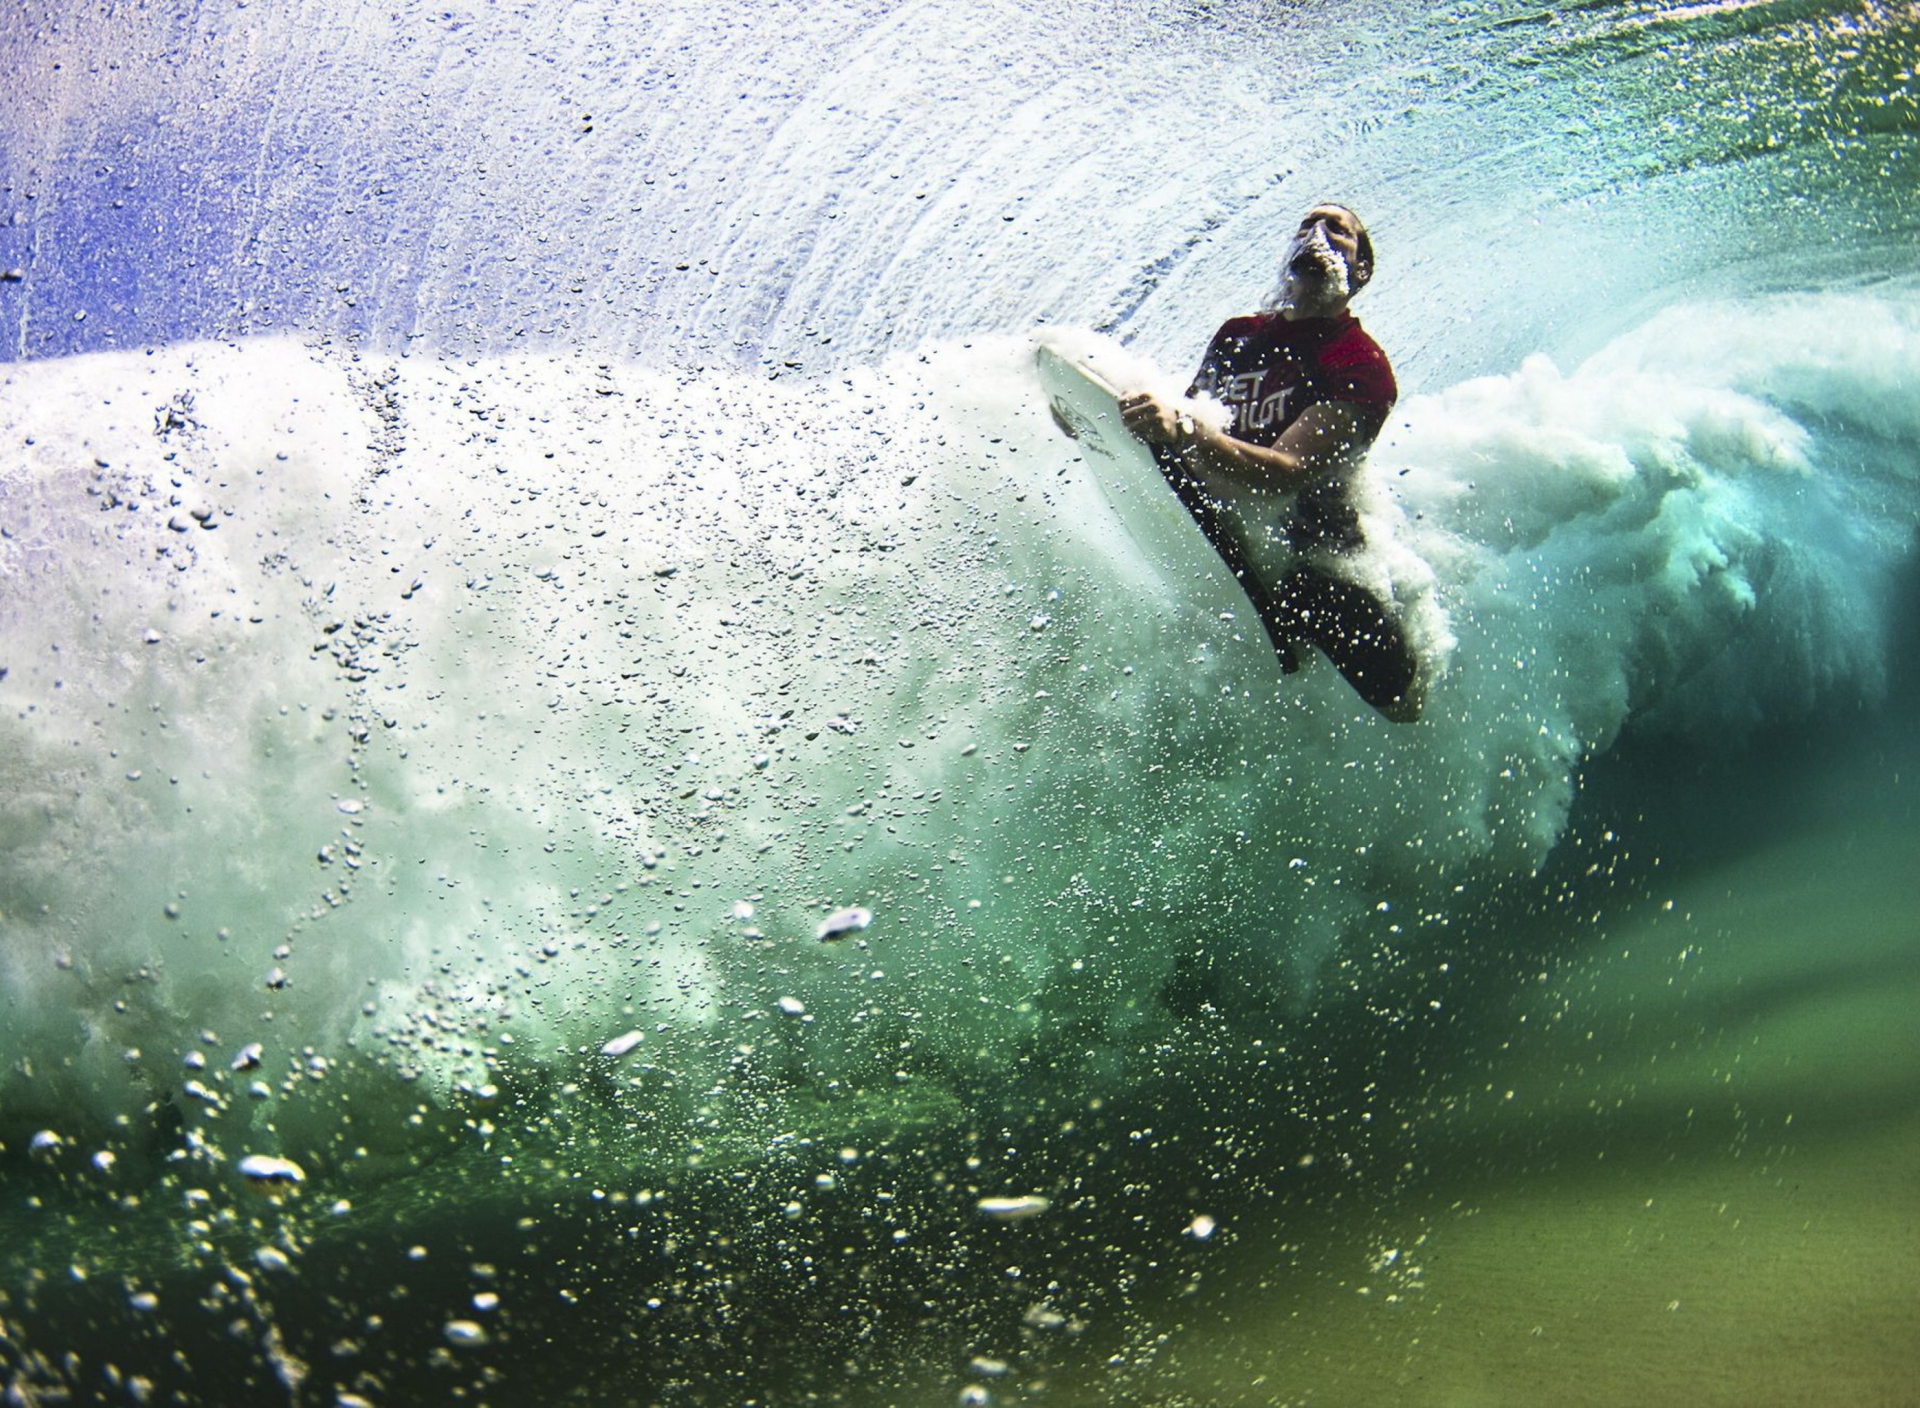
1267	370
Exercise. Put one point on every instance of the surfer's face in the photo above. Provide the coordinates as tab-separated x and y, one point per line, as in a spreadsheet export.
1323	265
1334	228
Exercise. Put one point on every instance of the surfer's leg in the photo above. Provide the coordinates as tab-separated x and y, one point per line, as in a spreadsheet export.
1213	527
1273	616
1203	510
1282	629
1357	633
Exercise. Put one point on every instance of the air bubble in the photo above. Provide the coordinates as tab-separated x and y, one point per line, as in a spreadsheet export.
271	1173
622	1044
465	1334
1015	1209
842	922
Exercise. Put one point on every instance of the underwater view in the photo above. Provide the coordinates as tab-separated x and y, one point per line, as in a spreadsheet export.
596	807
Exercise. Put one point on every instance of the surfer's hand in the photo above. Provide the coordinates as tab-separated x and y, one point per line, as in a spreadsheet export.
1156	421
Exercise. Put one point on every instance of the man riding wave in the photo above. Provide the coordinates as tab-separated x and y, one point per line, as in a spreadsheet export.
1306	392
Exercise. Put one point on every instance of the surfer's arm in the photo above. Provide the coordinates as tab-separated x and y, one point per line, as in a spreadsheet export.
1325	436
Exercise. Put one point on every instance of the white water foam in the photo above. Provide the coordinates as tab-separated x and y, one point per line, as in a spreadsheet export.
559	702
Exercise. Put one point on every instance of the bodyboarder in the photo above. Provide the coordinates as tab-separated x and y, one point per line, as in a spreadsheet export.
1306	392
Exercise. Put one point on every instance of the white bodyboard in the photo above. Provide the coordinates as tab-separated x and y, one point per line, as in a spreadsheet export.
1130	483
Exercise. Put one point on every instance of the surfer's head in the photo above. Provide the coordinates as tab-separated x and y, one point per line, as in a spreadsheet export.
1328	260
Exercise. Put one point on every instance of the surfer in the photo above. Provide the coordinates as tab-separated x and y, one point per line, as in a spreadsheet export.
1306	391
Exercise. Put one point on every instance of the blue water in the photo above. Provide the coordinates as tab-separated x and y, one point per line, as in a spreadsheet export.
514	514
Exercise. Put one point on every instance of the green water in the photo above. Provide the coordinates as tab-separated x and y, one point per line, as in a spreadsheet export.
1649	1143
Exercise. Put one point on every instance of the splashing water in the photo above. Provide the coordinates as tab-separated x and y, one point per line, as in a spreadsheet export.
424	701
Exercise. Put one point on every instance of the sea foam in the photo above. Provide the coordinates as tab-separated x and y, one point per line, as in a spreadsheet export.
464	717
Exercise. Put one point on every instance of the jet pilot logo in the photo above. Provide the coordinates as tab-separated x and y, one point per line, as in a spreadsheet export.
1251	410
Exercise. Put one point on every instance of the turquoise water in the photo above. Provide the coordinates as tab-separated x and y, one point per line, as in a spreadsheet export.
514	516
